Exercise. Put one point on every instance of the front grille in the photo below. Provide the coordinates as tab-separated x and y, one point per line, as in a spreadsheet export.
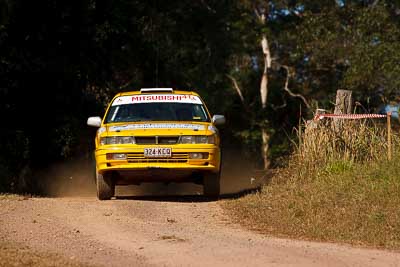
155	140
168	140
177	157
145	140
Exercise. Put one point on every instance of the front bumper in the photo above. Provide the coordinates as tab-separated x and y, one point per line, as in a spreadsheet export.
179	161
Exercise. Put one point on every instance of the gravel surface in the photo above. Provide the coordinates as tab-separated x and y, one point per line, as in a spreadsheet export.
152	225
158	231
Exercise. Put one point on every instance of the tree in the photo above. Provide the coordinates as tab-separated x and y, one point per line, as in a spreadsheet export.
353	46
260	23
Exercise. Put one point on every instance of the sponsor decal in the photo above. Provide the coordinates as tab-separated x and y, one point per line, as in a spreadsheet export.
165	98
157	126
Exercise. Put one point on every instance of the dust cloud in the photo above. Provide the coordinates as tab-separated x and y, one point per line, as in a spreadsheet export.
76	178
68	178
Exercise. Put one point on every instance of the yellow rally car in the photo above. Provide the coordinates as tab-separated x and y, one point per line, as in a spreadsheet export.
157	135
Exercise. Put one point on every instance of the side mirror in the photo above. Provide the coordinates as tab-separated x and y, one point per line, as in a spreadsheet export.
94	121
218	120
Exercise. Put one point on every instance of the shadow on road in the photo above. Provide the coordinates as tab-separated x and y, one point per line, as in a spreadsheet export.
236	181
189	198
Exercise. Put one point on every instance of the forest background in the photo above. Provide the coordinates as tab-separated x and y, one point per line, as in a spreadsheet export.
265	65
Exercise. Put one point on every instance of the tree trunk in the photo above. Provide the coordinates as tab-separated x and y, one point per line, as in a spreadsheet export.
265	147
24	182
267	64
344	105
264	92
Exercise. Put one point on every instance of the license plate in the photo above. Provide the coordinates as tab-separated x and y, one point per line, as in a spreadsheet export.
158	152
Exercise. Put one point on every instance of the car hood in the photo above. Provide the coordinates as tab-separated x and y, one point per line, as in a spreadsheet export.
158	128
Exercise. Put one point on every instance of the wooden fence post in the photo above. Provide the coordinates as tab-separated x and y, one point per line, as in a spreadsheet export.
343	105
389	135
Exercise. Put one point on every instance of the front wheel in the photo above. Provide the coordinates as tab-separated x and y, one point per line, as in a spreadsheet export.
211	184
105	186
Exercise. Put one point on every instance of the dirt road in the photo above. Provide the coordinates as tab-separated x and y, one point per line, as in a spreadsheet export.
162	226
160	231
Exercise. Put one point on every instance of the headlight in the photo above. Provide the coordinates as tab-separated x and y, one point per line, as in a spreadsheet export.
197	155
115	140
197	139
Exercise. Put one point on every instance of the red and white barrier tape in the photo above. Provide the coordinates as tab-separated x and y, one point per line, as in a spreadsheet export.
350	116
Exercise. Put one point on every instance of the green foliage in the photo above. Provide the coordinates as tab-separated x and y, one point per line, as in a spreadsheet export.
353	47
338	167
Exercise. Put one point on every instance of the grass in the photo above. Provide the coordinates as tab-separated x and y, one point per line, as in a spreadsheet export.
13	255
13	197
341	192
355	141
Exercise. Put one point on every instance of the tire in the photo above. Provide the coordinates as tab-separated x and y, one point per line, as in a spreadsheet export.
105	186
211	185
94	169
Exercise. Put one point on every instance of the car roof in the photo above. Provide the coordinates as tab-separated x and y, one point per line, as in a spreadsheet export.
179	92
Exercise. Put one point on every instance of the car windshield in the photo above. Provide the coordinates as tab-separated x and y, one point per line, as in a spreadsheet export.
157	112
